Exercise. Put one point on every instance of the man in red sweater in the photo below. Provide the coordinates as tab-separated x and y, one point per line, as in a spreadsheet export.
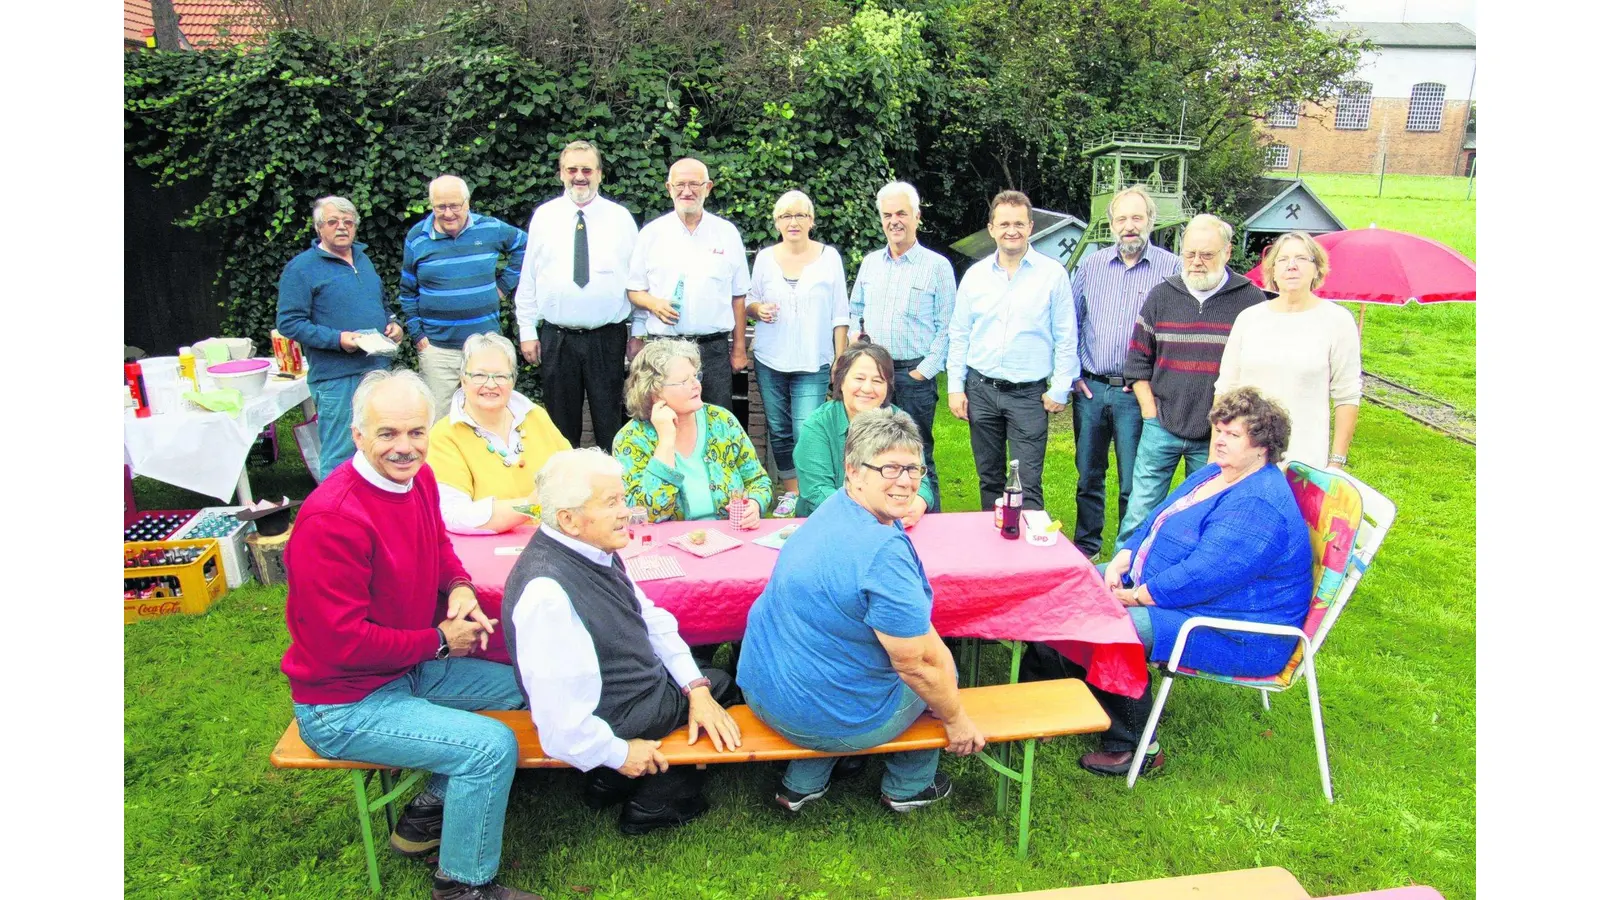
382	618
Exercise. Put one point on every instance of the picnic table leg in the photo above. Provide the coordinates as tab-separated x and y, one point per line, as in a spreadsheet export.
244	496
363	812
386	781
1002	786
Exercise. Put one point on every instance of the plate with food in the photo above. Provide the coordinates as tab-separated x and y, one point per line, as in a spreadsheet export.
705	542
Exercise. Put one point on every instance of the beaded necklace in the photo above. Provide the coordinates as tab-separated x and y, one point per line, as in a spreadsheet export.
508	456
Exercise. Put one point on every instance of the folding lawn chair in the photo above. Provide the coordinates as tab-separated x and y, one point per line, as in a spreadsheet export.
1348	521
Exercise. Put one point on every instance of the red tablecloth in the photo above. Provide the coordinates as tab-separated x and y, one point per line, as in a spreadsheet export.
983	587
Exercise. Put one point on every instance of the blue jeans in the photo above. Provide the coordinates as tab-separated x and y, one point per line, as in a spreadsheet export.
333	398
418	721
788	398
1153	468
906	774
920	399
1110	416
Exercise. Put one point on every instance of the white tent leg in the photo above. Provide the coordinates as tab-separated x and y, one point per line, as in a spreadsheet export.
1266	700
1316	729
1149	731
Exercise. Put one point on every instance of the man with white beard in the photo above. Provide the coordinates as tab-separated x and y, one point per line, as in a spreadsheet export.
1109	288
1173	360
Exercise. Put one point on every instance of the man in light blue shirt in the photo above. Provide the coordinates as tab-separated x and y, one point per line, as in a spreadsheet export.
902	299
1013	352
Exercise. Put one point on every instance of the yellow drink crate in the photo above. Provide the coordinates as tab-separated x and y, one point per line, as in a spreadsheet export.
188	588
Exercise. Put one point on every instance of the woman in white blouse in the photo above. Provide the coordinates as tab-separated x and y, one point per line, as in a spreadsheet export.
802	310
1300	350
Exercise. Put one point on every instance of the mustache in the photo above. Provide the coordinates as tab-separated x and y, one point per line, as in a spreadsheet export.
402	458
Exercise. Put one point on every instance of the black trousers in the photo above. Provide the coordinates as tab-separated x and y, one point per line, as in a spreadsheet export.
678	782
579	363
1128	714
999	416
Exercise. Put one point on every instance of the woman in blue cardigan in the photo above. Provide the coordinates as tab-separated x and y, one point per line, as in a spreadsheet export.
1228	542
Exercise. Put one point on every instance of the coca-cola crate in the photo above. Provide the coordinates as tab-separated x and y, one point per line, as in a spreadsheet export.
189	588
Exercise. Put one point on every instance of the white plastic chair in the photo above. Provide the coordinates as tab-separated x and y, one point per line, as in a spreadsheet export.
1377	513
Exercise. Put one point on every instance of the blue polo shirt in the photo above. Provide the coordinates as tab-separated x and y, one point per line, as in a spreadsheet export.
810	656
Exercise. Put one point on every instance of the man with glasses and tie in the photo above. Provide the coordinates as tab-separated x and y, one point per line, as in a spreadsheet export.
572	301
449	289
1173	360
689	278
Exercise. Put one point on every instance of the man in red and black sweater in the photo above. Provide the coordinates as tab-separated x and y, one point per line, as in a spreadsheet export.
382	618
1173	359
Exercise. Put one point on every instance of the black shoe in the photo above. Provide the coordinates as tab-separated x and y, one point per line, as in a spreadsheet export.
848	767
420	827
599	793
933	793
639	819
793	800
1108	763
445	889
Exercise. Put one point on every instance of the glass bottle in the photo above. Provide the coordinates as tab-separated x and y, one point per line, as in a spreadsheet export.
1011	513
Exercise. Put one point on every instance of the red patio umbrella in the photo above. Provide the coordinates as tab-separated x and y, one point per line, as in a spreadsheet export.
1375	265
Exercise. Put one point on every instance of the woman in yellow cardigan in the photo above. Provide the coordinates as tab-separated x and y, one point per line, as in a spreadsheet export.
487	448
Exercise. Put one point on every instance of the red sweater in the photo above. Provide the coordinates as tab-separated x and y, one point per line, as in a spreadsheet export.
369	572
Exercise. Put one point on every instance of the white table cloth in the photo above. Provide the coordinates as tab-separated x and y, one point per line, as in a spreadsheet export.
205	451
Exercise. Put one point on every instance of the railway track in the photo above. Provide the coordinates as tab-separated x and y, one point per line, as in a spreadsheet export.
1434	412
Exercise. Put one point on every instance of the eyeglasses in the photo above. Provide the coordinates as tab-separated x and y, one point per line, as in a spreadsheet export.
449	207
892	471
693	379
1299	260
347	223
678	187
793	217
1208	256
482	378
585	171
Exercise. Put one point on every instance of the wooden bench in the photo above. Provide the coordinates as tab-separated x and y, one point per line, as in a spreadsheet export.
1005	713
1269	883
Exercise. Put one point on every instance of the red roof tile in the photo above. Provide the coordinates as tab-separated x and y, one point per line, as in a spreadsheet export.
202	22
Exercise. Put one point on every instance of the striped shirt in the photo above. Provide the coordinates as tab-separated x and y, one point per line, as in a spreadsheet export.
1109	295
448	287
905	304
1017	329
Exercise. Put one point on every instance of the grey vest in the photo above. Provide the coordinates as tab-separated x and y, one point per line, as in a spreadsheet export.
637	692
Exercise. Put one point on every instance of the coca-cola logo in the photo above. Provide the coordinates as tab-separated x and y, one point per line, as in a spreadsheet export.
158	609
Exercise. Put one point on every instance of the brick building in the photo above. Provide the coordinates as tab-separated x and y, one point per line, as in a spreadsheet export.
1405	110
201	23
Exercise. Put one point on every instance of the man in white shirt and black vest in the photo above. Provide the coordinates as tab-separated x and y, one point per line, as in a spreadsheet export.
604	670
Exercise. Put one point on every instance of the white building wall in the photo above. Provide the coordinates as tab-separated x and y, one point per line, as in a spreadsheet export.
1393	70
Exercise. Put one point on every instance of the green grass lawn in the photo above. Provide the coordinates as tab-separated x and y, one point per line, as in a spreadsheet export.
206	817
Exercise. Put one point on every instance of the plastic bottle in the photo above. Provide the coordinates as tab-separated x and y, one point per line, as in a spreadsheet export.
186	367
1011	518
677	297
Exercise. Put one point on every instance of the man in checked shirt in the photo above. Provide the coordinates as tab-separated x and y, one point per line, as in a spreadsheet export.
902	298
1110	287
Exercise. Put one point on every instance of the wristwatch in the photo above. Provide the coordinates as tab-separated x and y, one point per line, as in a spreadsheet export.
701	682
444	646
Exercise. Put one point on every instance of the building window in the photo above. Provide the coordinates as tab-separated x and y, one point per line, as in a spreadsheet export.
1277	156
1284	115
1354	112
1427	107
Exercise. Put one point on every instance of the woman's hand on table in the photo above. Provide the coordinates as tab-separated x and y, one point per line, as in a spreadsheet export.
1118	567
919	508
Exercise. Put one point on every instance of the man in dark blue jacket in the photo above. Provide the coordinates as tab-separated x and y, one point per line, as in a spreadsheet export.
327	296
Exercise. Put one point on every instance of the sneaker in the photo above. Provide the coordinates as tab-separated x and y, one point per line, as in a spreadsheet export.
792	801
1108	763
446	889
420	827
786	505
933	793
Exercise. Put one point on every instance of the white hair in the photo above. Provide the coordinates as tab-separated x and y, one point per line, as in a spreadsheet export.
450	181
361	402
489	340
901	187
1207	220
339	203
566	481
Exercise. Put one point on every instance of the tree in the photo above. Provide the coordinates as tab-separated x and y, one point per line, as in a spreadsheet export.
168	37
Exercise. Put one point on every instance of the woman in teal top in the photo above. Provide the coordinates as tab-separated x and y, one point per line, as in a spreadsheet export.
682	458
863	379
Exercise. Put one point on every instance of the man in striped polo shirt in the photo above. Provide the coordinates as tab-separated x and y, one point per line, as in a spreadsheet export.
1109	287
902	299
1174	357
448	287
